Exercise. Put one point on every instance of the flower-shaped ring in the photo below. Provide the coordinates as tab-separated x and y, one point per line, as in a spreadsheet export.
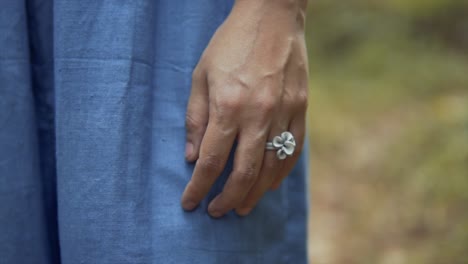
283	144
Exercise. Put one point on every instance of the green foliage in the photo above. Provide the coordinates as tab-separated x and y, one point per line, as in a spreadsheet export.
389	130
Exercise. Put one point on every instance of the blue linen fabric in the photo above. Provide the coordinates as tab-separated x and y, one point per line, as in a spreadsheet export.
93	95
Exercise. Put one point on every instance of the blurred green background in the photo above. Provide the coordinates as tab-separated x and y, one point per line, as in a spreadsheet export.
388	125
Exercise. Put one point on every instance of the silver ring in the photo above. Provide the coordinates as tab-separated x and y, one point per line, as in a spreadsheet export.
284	145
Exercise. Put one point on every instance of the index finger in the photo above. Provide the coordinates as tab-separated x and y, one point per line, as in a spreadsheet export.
214	152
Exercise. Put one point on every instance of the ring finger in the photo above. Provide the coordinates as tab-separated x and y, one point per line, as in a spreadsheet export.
298	129
271	167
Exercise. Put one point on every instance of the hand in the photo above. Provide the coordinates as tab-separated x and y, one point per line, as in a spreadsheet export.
250	84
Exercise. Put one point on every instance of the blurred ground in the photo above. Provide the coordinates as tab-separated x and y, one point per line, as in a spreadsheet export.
388	126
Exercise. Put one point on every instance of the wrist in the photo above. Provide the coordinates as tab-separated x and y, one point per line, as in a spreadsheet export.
288	12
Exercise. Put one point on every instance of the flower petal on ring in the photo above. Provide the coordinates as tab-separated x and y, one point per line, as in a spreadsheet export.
281	155
287	136
290	144
278	142
288	150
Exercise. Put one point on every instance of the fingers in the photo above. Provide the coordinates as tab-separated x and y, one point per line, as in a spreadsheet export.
247	163
197	115
270	168
214	152
298	129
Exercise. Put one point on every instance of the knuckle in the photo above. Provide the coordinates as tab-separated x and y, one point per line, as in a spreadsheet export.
267	104
211	162
246	176
271	164
191	123
297	101
302	101
229	105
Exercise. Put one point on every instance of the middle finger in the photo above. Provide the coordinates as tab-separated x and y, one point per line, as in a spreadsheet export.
247	162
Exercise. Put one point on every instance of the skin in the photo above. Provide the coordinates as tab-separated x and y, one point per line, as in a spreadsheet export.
249	86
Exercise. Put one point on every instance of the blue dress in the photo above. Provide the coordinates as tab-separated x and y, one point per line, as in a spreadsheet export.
93	95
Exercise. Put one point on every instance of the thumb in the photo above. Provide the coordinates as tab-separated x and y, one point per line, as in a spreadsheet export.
196	118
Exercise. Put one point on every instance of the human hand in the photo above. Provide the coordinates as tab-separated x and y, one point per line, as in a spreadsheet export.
251	85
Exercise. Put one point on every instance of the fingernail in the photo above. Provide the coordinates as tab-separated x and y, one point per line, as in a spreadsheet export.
243	211
188	150
215	213
189	205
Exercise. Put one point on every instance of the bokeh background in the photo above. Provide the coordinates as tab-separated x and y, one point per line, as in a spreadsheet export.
388	125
